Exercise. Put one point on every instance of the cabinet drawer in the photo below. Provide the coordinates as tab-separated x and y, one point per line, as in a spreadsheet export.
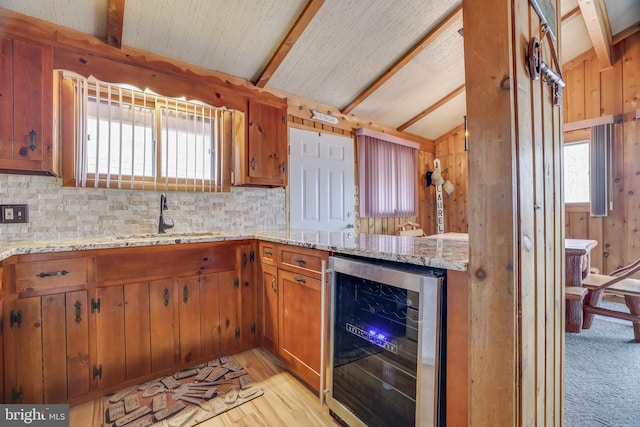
267	253
302	260
40	275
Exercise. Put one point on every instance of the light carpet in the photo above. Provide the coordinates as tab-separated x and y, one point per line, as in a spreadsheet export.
602	375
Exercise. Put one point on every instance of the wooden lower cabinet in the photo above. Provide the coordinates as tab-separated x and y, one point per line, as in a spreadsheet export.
46	348
269	288
110	364
299	317
291	301
163	303
119	326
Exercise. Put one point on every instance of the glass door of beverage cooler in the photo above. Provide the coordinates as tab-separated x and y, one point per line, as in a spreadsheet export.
384	344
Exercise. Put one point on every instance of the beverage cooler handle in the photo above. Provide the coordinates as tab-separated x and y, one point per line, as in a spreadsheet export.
323	319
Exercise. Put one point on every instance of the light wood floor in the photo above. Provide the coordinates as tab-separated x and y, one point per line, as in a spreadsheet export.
286	401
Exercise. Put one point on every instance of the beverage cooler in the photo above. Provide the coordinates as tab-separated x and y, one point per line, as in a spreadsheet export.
386	347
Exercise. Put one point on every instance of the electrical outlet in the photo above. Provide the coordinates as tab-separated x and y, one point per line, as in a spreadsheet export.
14	214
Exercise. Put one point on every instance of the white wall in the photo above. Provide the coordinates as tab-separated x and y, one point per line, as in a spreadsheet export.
57	212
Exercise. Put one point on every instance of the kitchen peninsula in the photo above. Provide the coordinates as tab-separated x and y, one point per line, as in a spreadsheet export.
119	277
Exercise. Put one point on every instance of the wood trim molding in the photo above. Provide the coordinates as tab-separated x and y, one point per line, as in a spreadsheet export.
406	58
115	22
307	15
577	207
589	123
627	32
595	21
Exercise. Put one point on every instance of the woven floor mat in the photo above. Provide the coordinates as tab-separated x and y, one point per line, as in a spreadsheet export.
183	399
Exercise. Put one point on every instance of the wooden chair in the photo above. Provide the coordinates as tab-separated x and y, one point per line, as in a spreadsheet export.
618	282
411	229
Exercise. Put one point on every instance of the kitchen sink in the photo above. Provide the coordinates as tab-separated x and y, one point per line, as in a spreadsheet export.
185	235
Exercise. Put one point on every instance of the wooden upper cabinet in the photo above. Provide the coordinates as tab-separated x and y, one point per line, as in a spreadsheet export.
261	158
26	108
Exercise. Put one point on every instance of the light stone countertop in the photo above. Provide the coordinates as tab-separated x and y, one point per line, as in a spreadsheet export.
444	252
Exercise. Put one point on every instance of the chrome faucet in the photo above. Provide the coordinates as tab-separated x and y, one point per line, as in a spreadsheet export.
162	225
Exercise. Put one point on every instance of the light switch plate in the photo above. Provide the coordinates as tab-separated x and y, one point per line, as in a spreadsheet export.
14	214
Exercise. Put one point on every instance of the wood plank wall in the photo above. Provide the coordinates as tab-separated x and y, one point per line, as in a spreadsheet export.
516	224
454	159
591	93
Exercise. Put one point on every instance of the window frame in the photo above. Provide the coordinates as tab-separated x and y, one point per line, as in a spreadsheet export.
574	137
66	102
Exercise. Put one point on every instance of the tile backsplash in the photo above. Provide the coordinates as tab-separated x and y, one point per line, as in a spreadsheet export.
63	212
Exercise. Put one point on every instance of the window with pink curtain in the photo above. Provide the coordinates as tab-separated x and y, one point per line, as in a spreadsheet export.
388	176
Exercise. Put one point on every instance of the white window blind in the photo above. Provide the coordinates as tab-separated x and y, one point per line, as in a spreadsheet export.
388	175
126	138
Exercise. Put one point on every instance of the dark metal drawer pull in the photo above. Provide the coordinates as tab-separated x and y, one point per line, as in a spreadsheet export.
300	260
267	252
32	139
299	280
55	273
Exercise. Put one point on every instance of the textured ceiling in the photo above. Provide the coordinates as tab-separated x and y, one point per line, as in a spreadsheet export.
345	47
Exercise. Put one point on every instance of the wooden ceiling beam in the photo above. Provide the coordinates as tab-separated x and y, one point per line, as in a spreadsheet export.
307	15
573	12
600	36
115	22
432	108
406	58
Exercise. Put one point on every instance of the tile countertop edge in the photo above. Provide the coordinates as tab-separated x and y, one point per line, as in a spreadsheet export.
408	250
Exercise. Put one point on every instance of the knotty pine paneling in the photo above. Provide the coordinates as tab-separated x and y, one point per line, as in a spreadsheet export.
618	91
453	159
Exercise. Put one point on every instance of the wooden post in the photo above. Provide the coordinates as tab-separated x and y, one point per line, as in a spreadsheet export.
516	232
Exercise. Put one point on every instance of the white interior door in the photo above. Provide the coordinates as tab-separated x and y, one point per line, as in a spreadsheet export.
321	181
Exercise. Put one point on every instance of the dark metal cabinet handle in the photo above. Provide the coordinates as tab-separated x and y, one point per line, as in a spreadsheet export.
254	163
55	273
244	260
265	252
32	139
166	297
299	280
185	291
300	260
78	306
273	286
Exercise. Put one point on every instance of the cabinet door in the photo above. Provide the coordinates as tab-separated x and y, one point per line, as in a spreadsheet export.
6	98
189	311
267	144
299	300
47	348
163	303
230	318
78	362
110	363
269	289
248	294
23	356
30	146
209	315
138	329
65	324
